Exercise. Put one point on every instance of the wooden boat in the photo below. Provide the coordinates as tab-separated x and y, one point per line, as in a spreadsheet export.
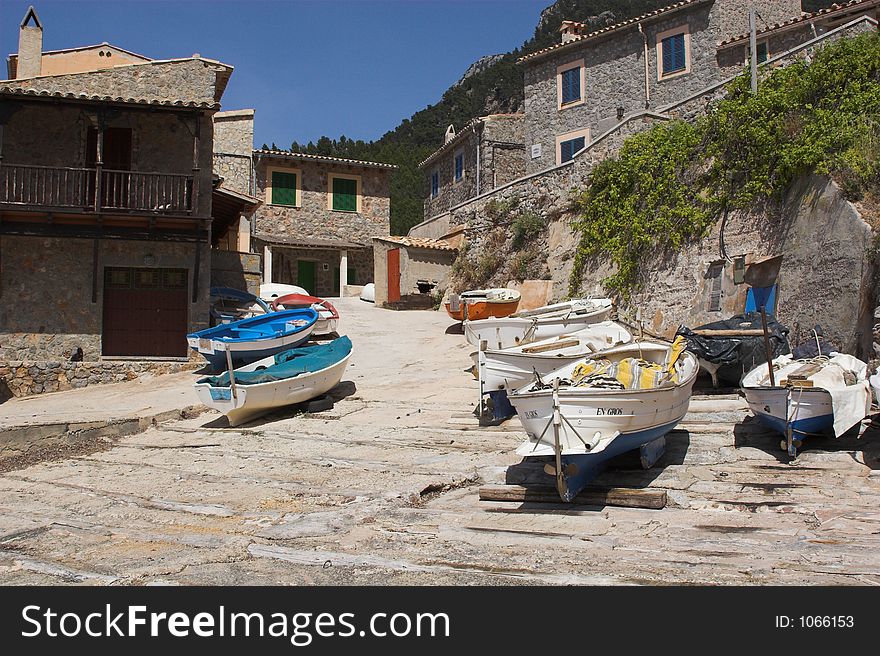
269	291
328	316
513	367
810	397
368	293
286	378
585	413
229	305
536	325
483	303
251	339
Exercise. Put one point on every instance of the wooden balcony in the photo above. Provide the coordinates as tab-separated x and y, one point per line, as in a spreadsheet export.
95	190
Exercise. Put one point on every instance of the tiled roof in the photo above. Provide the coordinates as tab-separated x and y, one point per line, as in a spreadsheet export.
8	90
305	242
420	242
828	12
284	154
612	28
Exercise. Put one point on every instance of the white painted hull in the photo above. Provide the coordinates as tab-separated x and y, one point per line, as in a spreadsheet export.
513	331
512	368
325	326
808	411
259	347
252	401
594	418
875	386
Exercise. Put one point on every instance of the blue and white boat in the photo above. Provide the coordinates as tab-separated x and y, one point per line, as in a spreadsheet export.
255	338
228	305
817	396
286	378
584	414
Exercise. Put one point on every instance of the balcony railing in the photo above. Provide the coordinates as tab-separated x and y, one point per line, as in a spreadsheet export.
84	189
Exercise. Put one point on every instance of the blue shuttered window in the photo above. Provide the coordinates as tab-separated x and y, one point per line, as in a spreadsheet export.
459	166
435	184
674	55
569	148
571	85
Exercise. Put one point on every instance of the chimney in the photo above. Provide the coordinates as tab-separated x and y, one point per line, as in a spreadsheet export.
30	46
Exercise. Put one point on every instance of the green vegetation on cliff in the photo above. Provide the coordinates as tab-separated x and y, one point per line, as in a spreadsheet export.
671	183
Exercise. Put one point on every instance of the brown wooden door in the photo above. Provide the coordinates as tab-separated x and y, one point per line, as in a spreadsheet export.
145	312
393	275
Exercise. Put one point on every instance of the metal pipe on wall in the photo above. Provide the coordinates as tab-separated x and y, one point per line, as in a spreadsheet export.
647	70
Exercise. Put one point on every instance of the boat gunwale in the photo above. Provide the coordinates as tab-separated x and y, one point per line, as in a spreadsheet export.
273	382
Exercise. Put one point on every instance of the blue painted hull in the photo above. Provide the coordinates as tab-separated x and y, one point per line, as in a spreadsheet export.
590	465
801	428
217	360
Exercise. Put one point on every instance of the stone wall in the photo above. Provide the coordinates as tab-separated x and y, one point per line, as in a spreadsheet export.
313	219
46	308
233	148
186	80
29	377
236	270
450	192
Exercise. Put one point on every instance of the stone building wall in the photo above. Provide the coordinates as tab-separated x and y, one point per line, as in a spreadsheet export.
236	270
615	72
233	148
499	162
313	220
186	81
46	308
450	192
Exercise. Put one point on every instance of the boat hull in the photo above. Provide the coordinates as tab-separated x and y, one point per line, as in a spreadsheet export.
807	411
476	310
512	331
252	401
598	424
214	350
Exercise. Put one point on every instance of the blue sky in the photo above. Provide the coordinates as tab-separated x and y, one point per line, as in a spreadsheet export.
309	67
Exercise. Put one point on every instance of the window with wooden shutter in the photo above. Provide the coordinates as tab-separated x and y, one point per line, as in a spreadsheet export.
571	85
674	54
345	194
568	149
763	52
435	184
283	188
715	293
459	166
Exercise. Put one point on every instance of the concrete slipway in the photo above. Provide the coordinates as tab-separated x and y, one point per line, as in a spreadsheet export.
383	489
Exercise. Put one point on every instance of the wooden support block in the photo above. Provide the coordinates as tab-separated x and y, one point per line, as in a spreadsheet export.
595	496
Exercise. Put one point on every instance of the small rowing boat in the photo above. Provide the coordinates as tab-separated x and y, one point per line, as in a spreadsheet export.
328	316
585	413
229	305
286	378
809	397
483	303
242	342
536	325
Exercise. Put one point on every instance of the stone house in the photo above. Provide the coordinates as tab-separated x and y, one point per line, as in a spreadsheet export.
318	217
106	203
409	269
585	85
485	153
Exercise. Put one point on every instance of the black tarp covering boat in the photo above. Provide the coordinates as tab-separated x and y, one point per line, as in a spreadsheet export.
728	356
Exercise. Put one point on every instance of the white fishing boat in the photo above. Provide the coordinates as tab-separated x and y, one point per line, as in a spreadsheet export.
536	325
586	413
875	385
290	377
511	368
809	397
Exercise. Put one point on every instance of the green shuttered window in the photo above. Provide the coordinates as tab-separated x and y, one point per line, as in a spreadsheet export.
345	195
283	188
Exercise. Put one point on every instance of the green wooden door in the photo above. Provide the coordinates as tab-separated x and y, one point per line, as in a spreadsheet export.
305	275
